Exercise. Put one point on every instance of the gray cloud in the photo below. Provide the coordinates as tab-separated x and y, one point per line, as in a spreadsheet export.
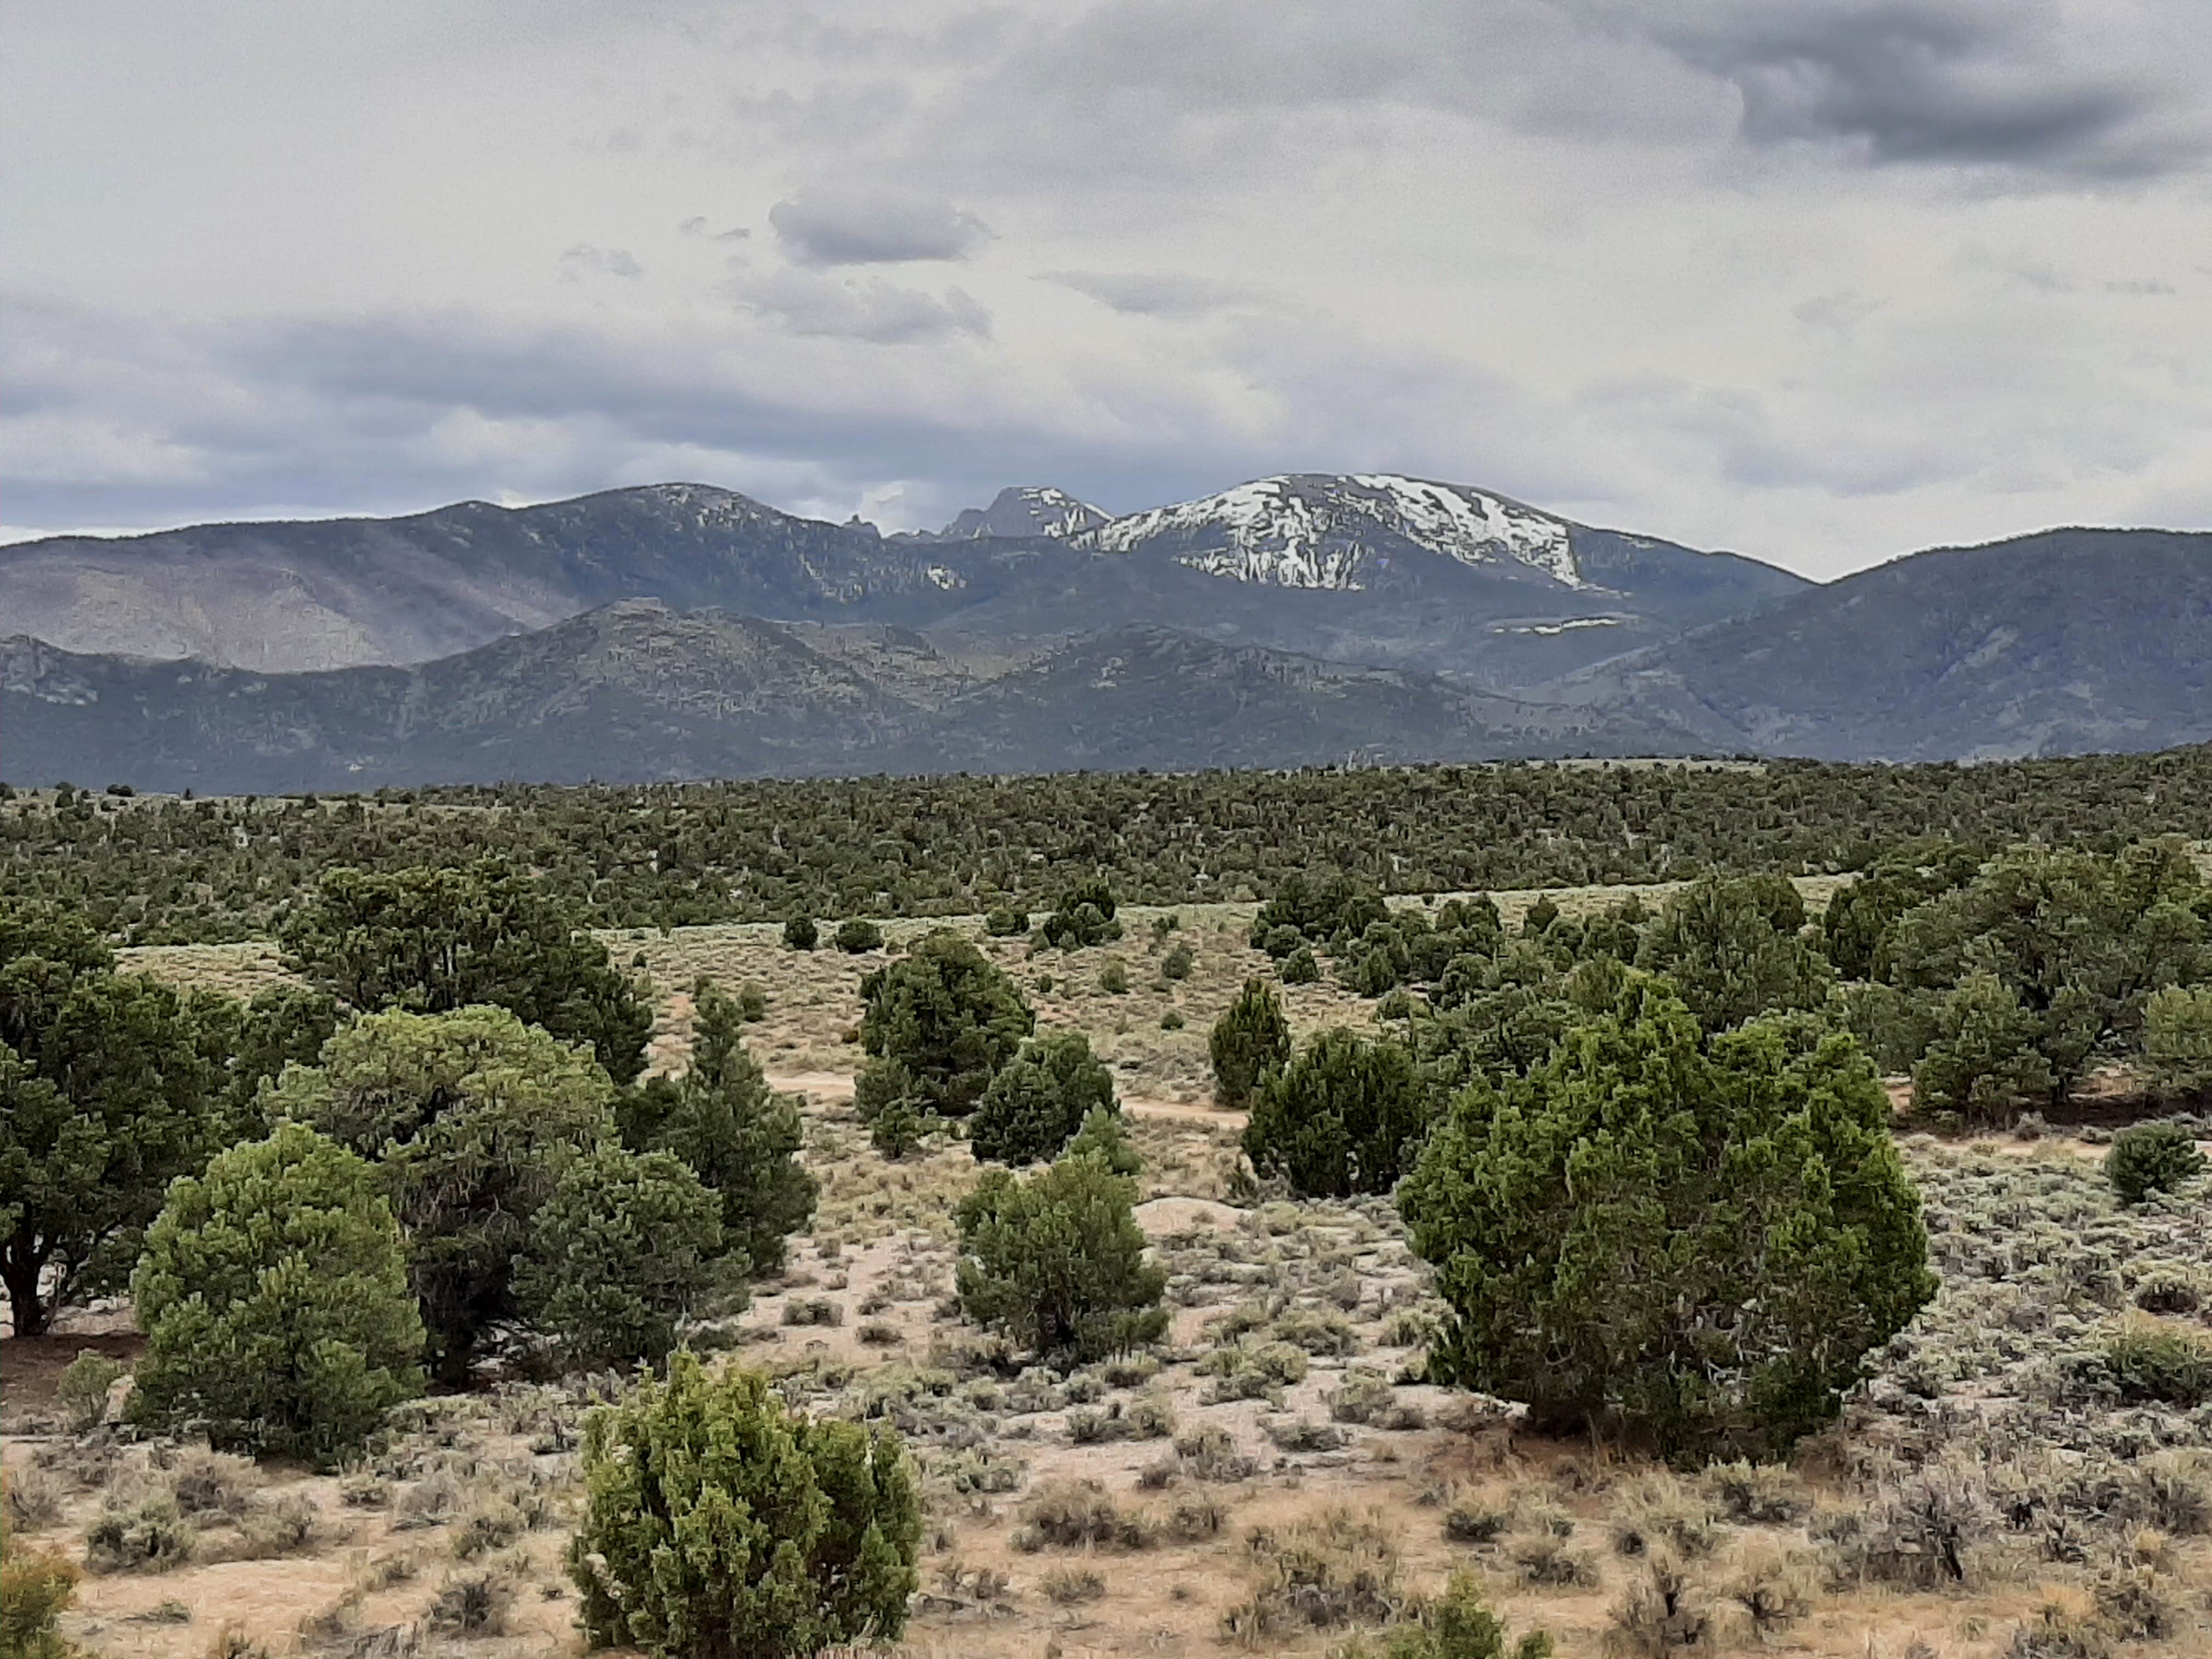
2014	84
818	306
833	227
602	261
1159	293
1820	279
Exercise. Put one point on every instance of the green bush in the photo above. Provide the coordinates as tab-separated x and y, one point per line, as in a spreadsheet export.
1178	961
1300	967
2147	1360
800	934
1250	1040
719	1526
84	1388
106	1093
1698	1244
622	1249
274	1294
2151	1158
1084	917
2176	1039
1005	920
473	1116
1113	978
939	1022
1057	1260
857	936
1981	1060
897	1127
1036	1104
1456	1624
1343	1117
1718	943
35	1590
739	1136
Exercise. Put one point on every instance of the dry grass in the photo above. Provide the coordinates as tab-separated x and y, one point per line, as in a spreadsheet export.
1269	1478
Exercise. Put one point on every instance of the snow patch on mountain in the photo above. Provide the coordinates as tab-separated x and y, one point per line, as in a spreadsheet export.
1316	530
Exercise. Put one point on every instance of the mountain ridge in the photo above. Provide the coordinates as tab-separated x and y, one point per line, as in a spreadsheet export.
281	596
636	692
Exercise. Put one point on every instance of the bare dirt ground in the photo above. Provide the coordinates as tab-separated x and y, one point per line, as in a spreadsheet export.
1284	1395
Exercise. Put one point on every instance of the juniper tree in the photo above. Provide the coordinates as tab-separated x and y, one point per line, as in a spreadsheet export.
106	1097
621	1249
719	1525
473	1116
1036	1103
1055	1260
939	1023
1343	1117
739	1136
1696	1240
1249	1040
432	940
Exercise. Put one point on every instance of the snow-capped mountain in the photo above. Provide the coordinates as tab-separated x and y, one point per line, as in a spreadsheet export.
1025	510
1329	530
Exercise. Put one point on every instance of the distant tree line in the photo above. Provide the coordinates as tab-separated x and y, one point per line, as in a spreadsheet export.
148	869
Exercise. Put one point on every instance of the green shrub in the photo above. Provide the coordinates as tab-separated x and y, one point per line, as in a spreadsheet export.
1055	1260
939	1022
35	1590
1084	917
1595	1223
1981	1060
897	1127
1005	920
274	1295
1345	1116
1300	967
800	934
1456	1624
1178	961
717	1523
2149	1360
2176	1039
1250	1040
1113	978
84	1388
1718	942
2151	1158
1035	1105
857	936
623	1250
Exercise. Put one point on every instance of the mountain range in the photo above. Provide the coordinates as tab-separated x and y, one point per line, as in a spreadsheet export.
679	630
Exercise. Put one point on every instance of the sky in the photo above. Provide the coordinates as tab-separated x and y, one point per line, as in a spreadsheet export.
1820	280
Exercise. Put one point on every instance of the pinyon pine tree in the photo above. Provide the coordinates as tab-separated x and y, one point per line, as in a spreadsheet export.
740	1137
274	1296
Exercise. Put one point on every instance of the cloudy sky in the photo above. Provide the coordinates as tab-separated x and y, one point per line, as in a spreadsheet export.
1822	281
